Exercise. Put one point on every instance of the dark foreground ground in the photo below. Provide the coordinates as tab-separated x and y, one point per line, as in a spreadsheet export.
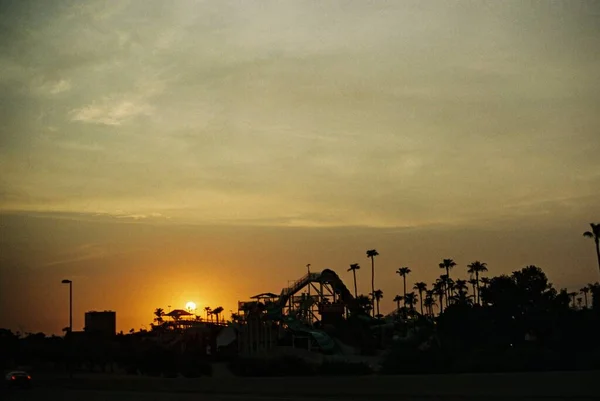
579	386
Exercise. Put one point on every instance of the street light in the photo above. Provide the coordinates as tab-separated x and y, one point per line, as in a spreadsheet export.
70	303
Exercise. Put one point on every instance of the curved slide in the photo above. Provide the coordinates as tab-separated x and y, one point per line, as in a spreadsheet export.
327	276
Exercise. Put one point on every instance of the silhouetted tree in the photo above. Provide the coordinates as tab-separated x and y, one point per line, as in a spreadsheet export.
429	302
397	300
217	311
159	313
477	267
208	311
573	294
473	283
410	299
594	233
377	296
439	289
365	303
403	272
585	291
447	264
354	267
421	287
372	253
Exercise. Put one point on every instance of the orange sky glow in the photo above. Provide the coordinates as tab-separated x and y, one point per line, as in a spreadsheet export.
163	152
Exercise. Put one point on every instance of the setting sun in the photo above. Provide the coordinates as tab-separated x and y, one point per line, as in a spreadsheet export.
190	306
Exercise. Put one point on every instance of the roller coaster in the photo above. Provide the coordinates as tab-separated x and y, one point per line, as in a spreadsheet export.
306	307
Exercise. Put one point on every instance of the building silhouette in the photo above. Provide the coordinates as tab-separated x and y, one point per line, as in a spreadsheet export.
101	323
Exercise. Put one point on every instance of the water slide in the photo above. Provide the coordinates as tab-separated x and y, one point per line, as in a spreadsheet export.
327	276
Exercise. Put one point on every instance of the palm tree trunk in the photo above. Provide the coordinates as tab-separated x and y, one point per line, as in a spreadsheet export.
421	300
441	303
586	301
477	281
355	290
378	307
373	282
447	287
398	305
598	251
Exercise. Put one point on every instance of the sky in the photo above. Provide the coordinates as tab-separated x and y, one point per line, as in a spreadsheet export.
163	152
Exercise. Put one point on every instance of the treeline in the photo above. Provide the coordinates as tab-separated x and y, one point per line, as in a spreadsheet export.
521	323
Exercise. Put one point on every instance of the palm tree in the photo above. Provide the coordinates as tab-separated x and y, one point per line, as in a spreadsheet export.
397	300
421	287
208	312
445	282
579	299
364	302
354	267
159	313
403	271
585	291
429	301
473	283
217	311
439	289
573	295
372	253
447	264
595	235
476	268
410	299
377	295
485	281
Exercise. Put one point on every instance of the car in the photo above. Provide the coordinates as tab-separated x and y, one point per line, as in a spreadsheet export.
18	378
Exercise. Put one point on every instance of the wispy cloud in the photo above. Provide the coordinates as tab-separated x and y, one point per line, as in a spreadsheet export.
111	111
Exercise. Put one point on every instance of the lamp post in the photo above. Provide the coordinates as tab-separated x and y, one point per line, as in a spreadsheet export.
70	303
70	322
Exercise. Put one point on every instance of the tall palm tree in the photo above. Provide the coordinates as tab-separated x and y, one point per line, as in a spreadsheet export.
446	284
372	253
594	233
429	302
208	312
585	291
473	283
476	268
354	267
365	303
460	286
439	289
573	295
447	264
410	299
421	287
159	313
397	300
377	296
403	271
217	311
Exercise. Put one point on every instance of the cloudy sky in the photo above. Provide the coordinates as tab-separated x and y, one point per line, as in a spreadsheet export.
158	152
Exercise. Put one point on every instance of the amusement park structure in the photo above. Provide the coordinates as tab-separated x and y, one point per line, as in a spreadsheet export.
310	309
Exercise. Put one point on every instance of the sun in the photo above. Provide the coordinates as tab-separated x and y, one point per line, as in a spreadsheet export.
190	306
